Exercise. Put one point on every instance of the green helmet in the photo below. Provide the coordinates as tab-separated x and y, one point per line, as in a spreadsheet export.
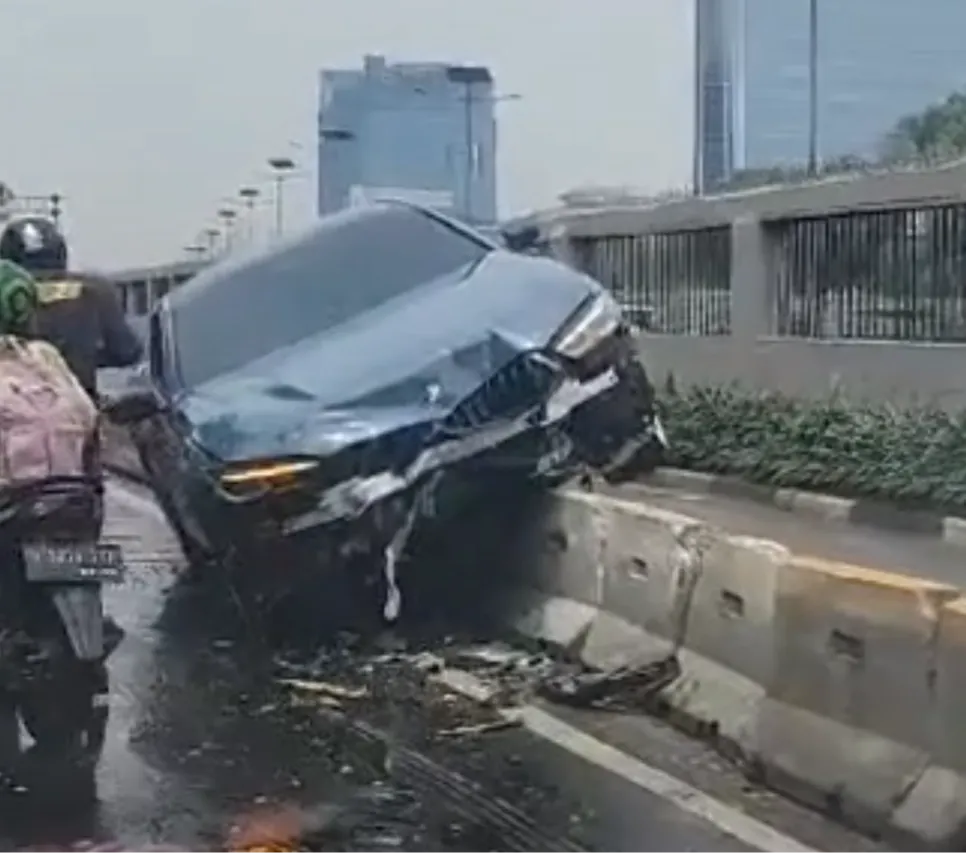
18	299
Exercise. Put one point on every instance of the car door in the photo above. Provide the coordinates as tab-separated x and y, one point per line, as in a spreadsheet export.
163	440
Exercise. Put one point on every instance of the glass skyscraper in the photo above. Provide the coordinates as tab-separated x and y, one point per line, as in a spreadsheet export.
423	131
718	66
878	60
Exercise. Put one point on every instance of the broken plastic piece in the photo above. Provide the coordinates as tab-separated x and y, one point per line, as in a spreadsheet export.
482	728
624	686
336	690
422	504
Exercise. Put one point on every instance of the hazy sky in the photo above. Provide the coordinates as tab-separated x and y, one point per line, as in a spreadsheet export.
147	113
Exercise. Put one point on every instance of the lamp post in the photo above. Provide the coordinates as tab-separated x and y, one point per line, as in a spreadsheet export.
249	196
56	201
813	88
211	236
469	77
282	168
228	216
195	251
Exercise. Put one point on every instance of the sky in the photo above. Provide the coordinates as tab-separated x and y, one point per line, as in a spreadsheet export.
148	115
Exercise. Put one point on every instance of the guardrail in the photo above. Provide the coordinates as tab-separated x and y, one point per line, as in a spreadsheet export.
141	288
854	282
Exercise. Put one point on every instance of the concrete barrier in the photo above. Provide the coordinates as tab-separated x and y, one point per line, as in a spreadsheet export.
935	808
729	650
851	701
843	686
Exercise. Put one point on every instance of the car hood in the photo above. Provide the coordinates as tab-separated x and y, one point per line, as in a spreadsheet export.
406	364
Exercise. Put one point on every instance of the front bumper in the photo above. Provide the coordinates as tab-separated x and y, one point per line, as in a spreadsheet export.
596	418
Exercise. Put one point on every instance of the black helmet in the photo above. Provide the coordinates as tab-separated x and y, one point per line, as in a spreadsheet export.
34	243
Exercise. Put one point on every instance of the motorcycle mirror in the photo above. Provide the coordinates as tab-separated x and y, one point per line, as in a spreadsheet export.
131	407
522	240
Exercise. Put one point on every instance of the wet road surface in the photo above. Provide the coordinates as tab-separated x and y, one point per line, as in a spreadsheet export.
902	552
216	743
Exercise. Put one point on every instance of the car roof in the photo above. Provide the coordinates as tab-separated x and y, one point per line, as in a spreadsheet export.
228	267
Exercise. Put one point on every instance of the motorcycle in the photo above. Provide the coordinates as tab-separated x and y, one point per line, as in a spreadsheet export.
54	639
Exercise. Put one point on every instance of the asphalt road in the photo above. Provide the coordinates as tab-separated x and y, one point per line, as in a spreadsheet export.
896	551
208	749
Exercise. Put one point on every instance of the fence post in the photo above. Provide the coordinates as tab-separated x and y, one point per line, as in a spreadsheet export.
752	294
559	243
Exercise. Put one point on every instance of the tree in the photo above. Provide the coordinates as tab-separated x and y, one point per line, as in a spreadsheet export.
937	133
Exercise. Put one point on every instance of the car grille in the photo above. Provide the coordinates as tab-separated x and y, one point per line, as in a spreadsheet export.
517	388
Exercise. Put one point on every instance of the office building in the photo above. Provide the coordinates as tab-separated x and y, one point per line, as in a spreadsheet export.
717	97
876	61
421	131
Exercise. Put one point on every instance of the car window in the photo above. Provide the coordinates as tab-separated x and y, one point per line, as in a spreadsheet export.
348	264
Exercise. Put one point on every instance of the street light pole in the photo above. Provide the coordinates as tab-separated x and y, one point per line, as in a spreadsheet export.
468	76
282	167
813	88
211	236
228	216
249	195
470	150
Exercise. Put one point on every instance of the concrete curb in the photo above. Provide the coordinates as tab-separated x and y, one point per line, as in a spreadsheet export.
857	511
840	686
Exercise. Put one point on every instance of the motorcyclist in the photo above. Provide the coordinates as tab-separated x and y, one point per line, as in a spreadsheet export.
80	314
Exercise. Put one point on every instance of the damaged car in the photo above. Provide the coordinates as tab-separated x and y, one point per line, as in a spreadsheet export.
320	399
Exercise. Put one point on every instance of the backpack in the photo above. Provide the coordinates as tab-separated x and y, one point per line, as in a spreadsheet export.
47	420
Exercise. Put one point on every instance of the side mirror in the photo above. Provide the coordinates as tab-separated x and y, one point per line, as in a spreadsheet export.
131	407
522	240
133	403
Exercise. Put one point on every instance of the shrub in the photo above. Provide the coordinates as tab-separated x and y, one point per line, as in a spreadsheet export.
911	456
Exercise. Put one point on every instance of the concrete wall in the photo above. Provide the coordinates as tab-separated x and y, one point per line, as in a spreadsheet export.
753	353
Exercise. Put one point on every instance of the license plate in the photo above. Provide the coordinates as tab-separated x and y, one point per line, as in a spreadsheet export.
50	563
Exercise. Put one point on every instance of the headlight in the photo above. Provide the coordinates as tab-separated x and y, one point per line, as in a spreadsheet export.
256	478
597	322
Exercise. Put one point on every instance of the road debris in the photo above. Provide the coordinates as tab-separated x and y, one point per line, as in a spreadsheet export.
481	728
500	674
326	688
623	688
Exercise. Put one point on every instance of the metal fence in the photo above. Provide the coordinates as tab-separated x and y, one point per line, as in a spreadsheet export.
673	283
896	274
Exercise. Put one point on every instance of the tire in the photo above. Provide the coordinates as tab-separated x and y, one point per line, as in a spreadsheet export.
66	713
9	737
195	554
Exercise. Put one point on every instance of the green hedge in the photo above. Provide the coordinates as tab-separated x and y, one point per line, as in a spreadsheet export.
908	456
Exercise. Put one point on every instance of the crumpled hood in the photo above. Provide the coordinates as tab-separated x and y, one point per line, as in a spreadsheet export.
408	363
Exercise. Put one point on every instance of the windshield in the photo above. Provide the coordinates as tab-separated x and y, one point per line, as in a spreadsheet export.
351	263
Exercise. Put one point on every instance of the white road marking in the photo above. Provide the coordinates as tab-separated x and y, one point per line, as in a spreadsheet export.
683	795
